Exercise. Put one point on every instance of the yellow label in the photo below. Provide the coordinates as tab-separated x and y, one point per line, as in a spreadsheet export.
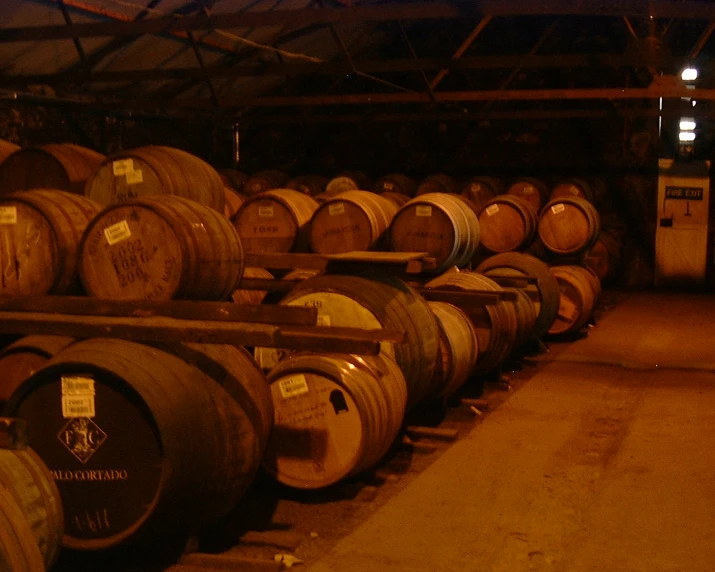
75	385
388	186
574	190
78	406
135	177
117	232
475	188
558	208
293	386
122	167
323	320
529	190
424	210
336	208
265	212
492	210
8	215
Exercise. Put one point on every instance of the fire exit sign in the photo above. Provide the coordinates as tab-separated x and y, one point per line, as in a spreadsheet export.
684	193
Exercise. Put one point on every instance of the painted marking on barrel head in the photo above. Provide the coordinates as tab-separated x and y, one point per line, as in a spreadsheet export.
293	386
8	215
82	437
265	212
117	232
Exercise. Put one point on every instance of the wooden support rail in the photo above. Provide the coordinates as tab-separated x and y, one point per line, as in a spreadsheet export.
404	262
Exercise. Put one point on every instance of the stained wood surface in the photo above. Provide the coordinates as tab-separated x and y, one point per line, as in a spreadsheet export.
7	148
396	183
253	294
480	190
533	191
348	181
265	180
569	225
410	262
308	184
437	183
19	551
13	433
507	223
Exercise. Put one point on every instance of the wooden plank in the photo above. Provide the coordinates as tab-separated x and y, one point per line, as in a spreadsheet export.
528	278
181	309
285	539
13	433
226	561
370	257
285	260
466	299
268	285
438	433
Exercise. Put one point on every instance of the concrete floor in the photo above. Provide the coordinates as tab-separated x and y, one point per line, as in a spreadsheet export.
603	461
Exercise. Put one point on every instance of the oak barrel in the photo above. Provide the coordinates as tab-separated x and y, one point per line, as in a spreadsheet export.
533	191
438	183
22	358
396	183
579	291
140	443
372	302
265	180
353	220
30	482
335	415
241	296
62	166
308	184
507	223
440	224
158	248
156	170
40	232
604	256
348	181
397	198
544	293
233	179
7	148
569	225
19	551
232	202
459	349
572	188
275	221
480	190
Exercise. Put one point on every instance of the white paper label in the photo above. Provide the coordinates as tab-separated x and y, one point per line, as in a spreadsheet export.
336	208
8	215
492	210
574	190
117	232
558	208
424	210
293	386
77	385
475	188
323	320
122	167
78	406
265	212
528	190
388	186
135	177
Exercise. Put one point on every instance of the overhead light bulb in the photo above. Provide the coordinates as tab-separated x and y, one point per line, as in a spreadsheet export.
689	74
686	136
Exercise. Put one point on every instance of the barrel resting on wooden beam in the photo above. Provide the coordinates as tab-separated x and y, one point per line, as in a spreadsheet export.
467	299
407	262
317	338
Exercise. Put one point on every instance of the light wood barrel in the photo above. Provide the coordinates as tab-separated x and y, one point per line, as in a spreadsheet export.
336	415
232	202
19	551
568	225
275	221
158	248
604	257
572	188
348	181
397	198
507	223
441	224
7	148
371	302
533	191
156	170
308	184
22	358
62	166
438	183
353	220
579	291
544	294
480	190
396	183
459	349
265	180
40	232
251	296
233	179
496	325
30	482
169	448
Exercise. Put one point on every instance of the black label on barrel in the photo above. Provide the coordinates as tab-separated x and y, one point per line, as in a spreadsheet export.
684	193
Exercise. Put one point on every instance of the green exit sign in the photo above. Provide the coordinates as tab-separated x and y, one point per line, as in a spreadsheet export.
684	193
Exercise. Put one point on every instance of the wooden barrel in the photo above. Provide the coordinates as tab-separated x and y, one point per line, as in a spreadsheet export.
335	416
579	291
371	302
438	223
572	188
604	256
158	248
544	293
568	225
140	443
353	220
18	548
495	324
459	349
396	183
30	482
275	221
62	166
507	223
397	198
438	183
480	190
22	358
321	198
40	232
531	190
308	184
232	202
348	181
233	179
7	148
265	180
156	170
251	296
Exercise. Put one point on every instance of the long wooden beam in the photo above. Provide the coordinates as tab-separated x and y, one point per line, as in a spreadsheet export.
377	13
